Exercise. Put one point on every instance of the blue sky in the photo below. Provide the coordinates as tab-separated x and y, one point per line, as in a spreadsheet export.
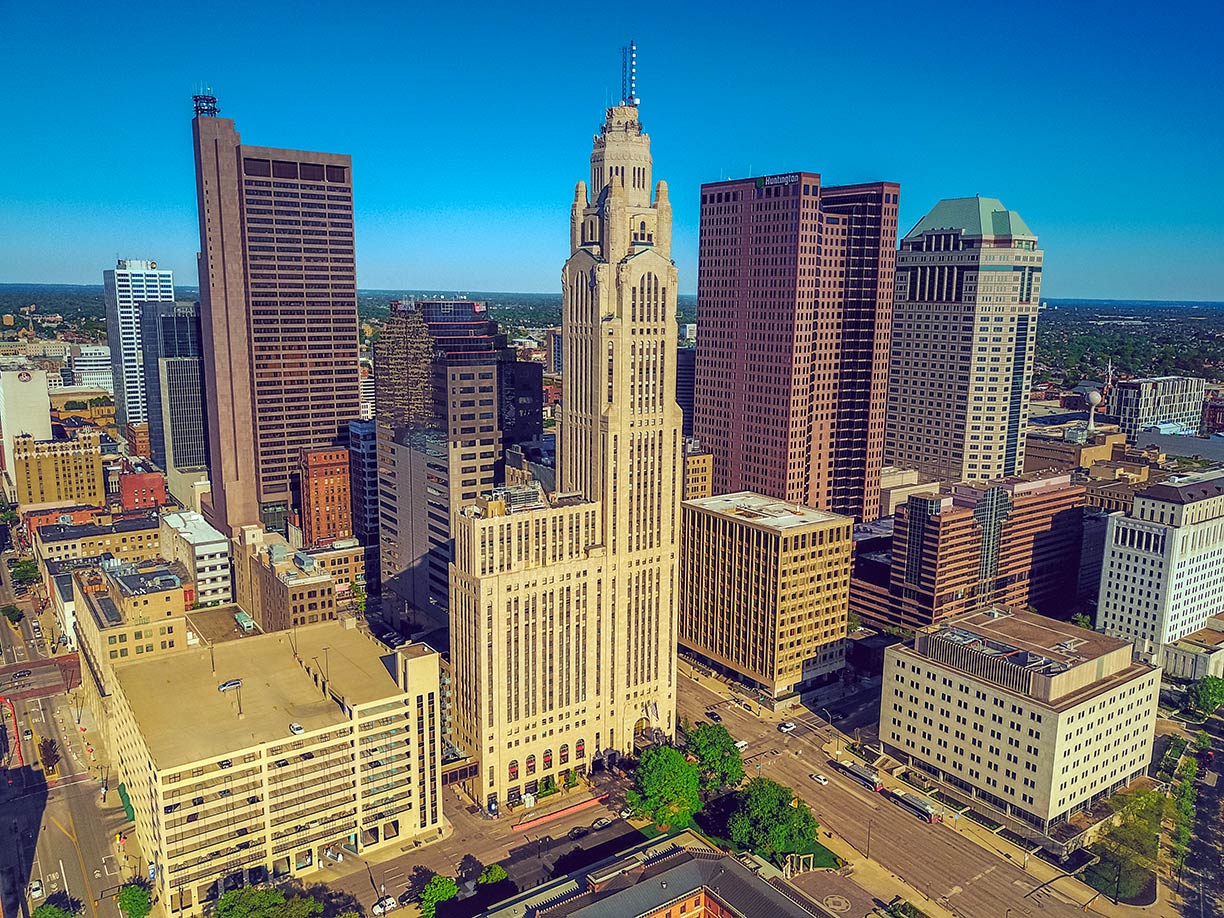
469	124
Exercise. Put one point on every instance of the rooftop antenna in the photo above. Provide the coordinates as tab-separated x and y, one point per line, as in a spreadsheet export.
629	75
205	102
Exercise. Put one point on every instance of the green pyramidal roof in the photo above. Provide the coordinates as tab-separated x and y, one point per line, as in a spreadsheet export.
976	216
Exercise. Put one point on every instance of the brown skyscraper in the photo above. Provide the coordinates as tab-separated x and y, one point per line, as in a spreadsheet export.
278	314
794	306
327	511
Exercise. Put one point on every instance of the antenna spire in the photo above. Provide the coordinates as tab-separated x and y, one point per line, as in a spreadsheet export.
205	102
629	75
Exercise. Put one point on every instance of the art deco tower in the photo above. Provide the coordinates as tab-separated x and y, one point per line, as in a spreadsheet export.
563	608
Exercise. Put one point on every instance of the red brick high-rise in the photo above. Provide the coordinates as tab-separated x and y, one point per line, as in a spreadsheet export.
278	315
327	510
794	319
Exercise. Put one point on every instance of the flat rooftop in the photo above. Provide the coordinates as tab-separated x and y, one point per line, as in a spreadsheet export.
1021	635
185	719
61	533
193	527
767	512
218	623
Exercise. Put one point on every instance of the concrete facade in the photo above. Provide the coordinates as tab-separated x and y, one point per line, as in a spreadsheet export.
1172	403
187	538
131	283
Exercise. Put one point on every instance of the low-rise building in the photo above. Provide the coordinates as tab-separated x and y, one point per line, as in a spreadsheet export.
59	470
138	441
187	538
280	751
1073	447
898	485
128	538
281	587
141	486
764	590
1199	654
1027	719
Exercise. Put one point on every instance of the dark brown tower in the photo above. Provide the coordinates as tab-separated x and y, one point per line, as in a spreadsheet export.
278	313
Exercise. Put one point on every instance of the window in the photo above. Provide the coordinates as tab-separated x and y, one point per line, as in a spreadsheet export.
580	750
514	769
547	759
531	764
564	753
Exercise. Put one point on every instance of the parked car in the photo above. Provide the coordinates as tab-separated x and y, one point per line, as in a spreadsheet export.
296	729
36	889
819	779
385	904
787	727
578	832
625	813
741	744
714	716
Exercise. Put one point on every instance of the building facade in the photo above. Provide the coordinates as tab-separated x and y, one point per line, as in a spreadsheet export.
1016	541
1028	719
136	538
794	311
1169	404
186	538
170	339
131	283
90	366
765	590
964	336
327	510
278	315
686	385
1163	572
563	612
48	471
25	409
363	486
698	470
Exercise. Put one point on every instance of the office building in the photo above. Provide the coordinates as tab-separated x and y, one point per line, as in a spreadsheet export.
321	741
791	371
1166	404
553	349
367	390
765	591
278	315
134	538
327	512
170	335
1163	572
563	613
963	340
139	443
1014	541
1026	719
363	486
1199	654
25	410
141	486
686	384
90	365
49	471
698	470
131	283
186	538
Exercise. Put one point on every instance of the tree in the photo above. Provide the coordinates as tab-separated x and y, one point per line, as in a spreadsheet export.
667	788
49	910
1203	741
854	621
494	873
48	751
255	902
134	900
1080	620
765	821
439	889
25	572
357	596
12	613
718	760
9	517
1206	695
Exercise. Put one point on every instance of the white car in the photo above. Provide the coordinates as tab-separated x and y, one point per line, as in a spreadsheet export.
741	744
819	779
296	729
787	727
36	889
384	905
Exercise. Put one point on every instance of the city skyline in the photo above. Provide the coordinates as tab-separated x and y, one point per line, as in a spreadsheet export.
421	144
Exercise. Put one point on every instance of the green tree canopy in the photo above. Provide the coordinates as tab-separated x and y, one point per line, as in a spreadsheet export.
1080	620
439	889
1203	741
25	572
12	613
134	900
1207	694
494	873
47	910
255	902
718	761
666	788
765	821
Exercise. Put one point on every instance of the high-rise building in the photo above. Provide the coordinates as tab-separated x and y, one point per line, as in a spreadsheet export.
686	384
1171	404
327	510
25	408
46	471
765	590
278	314
1072	718
563	610
1015	541
90	365
794	306
698	470
963	339
170	338
1163	572
363	485
131	283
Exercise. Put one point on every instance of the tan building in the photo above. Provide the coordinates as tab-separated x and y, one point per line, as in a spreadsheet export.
1028	719
765	590
46	471
563	615
277	753
1069	448
898	485
134	538
1199	654
698	470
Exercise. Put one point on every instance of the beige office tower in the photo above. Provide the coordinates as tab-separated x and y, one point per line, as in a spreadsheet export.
563	607
963	340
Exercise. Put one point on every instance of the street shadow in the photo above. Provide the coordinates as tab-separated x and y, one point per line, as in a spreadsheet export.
23	801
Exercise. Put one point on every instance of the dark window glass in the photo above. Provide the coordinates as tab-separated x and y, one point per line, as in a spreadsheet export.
337	174
282	169
312	171
256	166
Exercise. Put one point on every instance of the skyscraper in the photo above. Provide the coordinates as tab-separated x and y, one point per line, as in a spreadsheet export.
686	385
278	310
563	609
170	335
963	340
327	510
794	306
131	283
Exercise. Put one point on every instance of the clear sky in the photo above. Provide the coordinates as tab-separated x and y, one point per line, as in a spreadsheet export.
1101	123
